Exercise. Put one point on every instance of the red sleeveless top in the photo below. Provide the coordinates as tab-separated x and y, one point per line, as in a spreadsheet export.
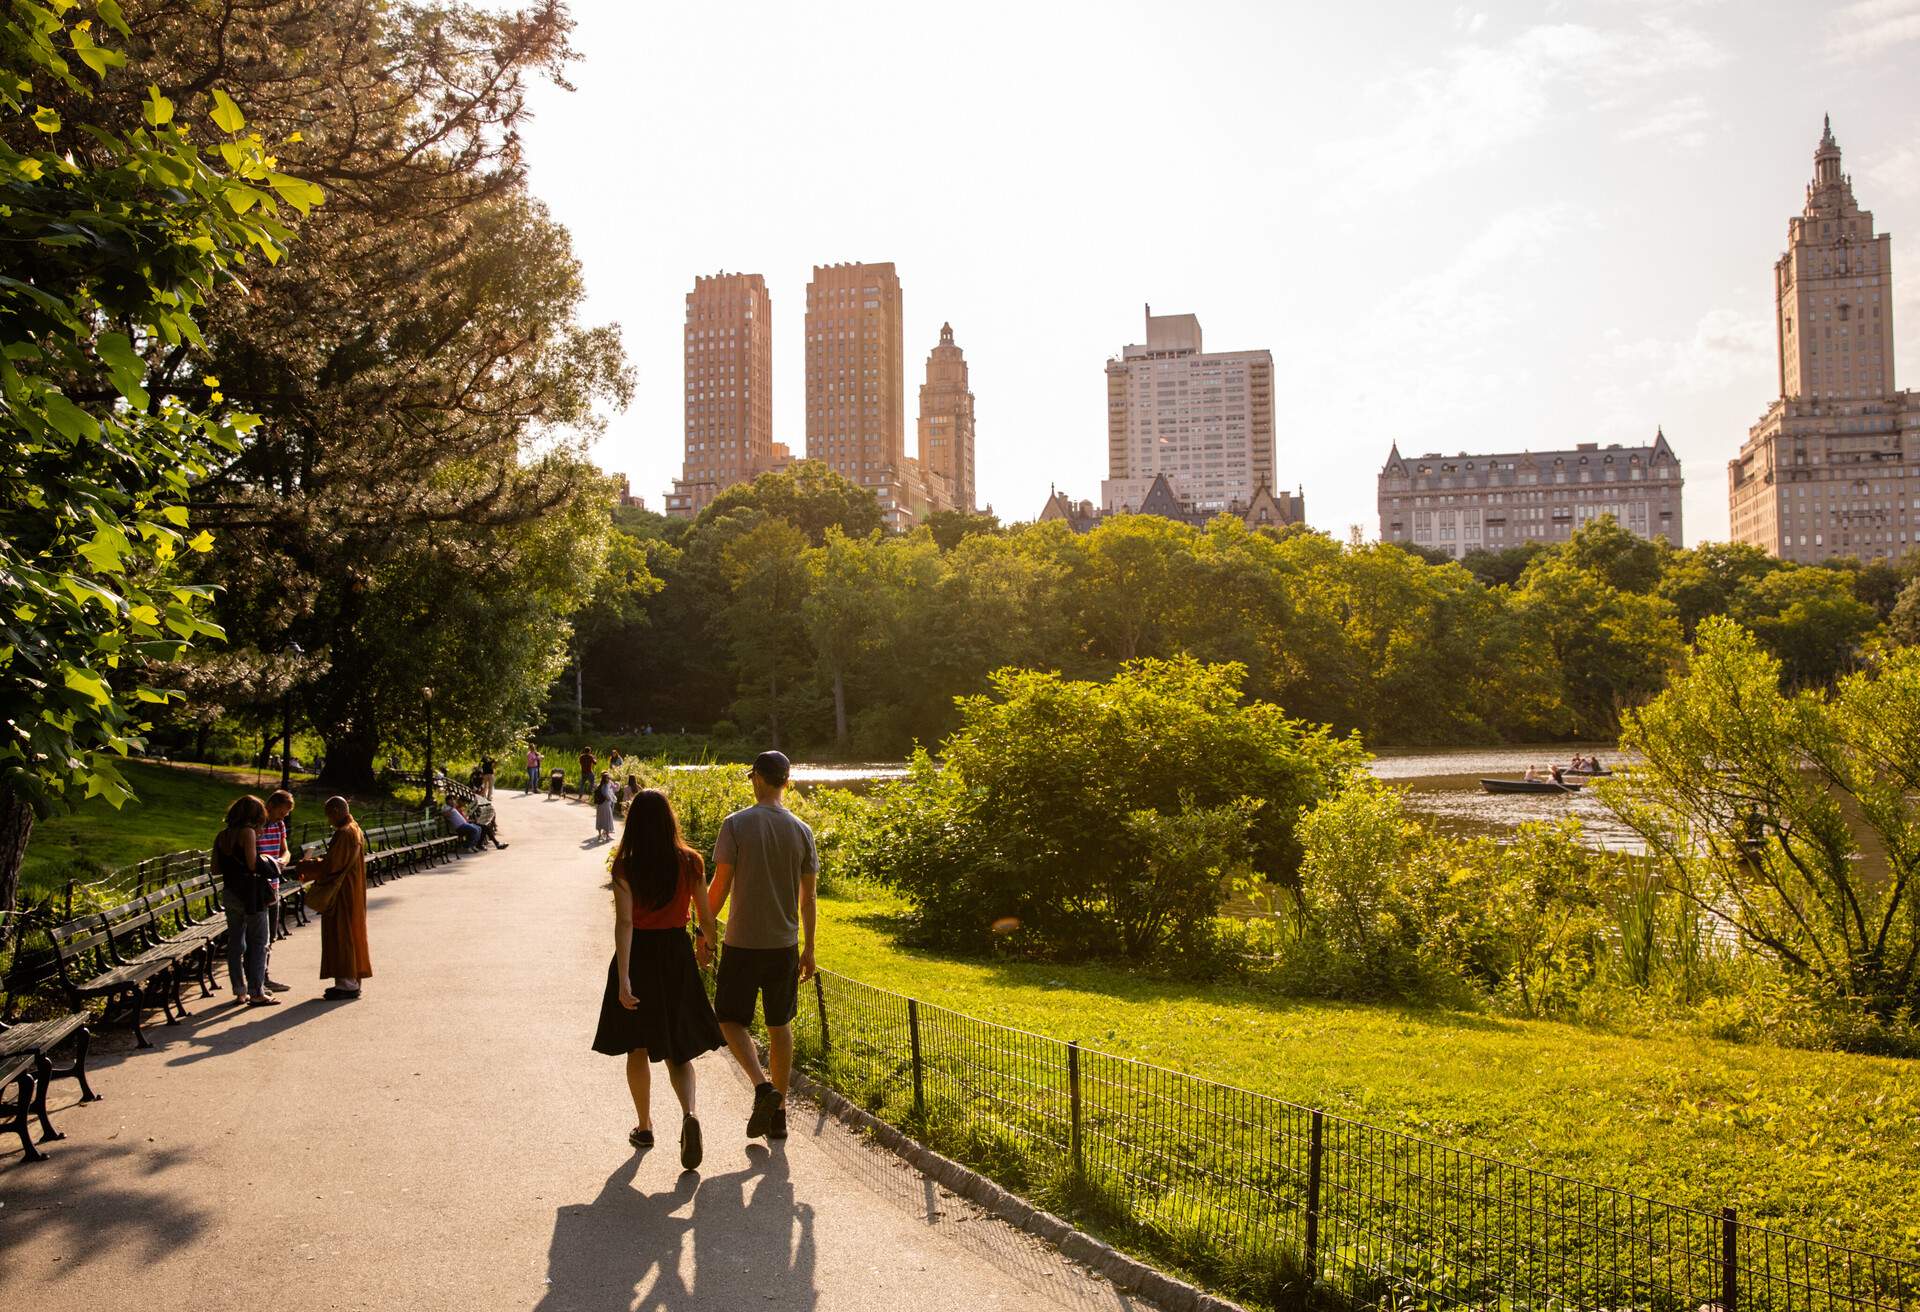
674	914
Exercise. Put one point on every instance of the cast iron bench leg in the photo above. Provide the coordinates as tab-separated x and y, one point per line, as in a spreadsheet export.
43	1077
27	1094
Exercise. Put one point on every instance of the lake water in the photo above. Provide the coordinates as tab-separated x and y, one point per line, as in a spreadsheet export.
1441	783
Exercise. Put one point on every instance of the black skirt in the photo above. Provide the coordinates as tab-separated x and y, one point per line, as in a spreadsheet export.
674	1020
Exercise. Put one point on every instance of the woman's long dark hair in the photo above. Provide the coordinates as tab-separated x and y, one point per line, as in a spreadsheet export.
651	850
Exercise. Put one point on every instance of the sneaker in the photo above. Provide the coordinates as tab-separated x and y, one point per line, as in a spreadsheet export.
641	1139
275	986
765	1103
777	1128
690	1149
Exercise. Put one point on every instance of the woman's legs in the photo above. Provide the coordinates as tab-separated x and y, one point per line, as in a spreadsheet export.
640	1085
680	1076
258	927
236	951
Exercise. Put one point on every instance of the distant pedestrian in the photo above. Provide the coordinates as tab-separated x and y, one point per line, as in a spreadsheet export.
343	925
533	768
273	842
614	761
765	858
486	776
655	1007
463	828
588	762
603	795
248	895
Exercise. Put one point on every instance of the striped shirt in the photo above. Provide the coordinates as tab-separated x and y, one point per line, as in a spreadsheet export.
272	840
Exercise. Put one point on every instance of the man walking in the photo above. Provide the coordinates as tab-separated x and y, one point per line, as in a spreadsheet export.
764	858
588	763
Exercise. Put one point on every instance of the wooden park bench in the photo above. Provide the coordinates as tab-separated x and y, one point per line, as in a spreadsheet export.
35	1042
91	967
16	1073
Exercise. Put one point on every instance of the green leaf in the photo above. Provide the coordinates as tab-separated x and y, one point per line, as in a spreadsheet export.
297	192
226	115
46	119
71	421
88	685
110	11
158	109
200	542
242	198
127	368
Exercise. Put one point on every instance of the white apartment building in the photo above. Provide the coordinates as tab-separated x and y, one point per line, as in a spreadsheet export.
1204	420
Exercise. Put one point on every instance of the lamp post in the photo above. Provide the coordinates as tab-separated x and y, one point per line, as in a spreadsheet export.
286	728
427	695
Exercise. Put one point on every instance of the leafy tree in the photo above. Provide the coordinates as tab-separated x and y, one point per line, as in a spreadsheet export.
1903	625
1745	797
1426	555
119	237
1608	649
951	527
766	573
1702	581
1809	618
842	611
808	494
1501	566
1622	559
1136	575
423	380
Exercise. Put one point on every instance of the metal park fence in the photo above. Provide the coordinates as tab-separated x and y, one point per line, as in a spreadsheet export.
1288	1206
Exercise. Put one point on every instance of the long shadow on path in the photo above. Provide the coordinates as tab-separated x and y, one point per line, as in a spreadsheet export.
753	1244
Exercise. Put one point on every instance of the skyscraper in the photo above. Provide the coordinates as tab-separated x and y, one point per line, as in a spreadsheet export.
729	388
1833	467
1205	421
946	425
856	406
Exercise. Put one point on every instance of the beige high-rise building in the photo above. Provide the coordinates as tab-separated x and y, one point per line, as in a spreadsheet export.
1463	503
856	392
1833	467
1204	420
946	425
729	388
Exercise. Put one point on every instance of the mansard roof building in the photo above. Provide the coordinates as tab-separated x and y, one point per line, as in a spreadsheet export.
1266	508
1465	502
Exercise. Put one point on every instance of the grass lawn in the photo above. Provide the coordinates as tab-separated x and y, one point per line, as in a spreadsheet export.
178	807
1824	1144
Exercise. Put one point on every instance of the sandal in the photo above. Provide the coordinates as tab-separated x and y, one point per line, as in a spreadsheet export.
263	1000
641	1139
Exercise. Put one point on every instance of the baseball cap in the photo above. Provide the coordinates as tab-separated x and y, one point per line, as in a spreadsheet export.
772	766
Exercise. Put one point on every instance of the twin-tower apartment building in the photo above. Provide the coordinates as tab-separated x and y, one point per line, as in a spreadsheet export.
856	394
1831	469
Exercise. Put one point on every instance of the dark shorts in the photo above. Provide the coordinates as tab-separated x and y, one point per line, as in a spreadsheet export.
772	974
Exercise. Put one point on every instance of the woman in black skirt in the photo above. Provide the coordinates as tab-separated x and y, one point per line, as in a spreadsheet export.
656	1007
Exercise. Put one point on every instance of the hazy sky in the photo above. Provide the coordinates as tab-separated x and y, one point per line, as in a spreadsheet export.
1464	228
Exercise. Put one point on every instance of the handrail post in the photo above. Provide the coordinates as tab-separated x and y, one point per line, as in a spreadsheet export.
1313	1198
820	999
1073	1104
919	1083
1729	1260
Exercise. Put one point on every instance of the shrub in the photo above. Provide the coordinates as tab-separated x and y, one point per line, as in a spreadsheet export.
1101	818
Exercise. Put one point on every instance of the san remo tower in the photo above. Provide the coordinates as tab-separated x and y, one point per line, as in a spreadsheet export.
1833	467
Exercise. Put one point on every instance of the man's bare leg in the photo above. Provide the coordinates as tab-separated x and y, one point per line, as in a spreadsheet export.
740	1044
780	1056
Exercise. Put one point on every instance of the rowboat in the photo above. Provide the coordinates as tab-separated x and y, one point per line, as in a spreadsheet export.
1528	786
1593	772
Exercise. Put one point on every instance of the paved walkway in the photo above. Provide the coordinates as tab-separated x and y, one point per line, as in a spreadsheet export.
449	1141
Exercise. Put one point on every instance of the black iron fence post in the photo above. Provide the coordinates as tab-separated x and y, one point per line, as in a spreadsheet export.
1729	1260
919	1086
820	999
1073	1106
1313	1199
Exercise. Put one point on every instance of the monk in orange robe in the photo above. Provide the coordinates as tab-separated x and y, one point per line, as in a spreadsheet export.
343	926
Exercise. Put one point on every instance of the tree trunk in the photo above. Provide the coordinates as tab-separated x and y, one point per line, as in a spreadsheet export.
349	767
839	709
200	741
16	827
773	708
579	693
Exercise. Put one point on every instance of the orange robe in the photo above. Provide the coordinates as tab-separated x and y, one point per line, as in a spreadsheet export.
343	930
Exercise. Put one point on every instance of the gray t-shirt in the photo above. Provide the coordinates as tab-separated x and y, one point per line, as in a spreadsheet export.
771	850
